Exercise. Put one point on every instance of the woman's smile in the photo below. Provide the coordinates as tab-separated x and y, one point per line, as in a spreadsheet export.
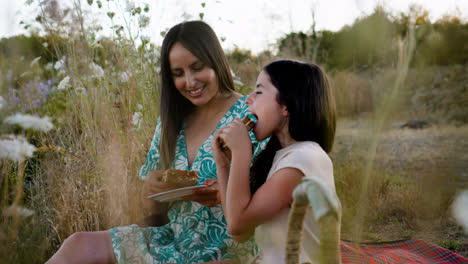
192	78
196	93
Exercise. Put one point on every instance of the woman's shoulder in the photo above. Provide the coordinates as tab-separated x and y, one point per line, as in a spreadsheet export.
239	108
240	100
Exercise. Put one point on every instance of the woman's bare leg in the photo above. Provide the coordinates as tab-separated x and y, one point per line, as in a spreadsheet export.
85	247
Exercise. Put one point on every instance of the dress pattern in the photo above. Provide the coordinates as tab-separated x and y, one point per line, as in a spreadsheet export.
195	233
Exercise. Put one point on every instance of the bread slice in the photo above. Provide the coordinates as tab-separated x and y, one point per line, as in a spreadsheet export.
180	178
249	124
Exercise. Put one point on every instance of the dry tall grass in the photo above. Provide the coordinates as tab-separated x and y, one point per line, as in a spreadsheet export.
84	178
415	177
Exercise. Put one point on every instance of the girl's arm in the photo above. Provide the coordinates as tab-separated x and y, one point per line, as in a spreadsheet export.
222	159
246	211
243	211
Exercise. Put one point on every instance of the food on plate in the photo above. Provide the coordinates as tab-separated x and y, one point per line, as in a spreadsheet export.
180	178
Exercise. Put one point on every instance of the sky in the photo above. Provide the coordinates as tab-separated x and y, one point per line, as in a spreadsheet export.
246	24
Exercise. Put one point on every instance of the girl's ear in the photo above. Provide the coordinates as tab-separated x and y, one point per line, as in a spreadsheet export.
284	111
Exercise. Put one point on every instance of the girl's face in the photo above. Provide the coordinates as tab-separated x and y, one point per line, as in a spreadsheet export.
193	79
272	117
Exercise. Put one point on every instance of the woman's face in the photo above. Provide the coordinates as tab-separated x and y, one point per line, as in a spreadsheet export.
193	79
271	116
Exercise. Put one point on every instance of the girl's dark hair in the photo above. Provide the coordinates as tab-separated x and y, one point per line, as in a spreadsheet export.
304	89
202	42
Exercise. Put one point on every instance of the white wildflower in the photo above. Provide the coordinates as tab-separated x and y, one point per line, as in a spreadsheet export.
236	79
97	70
3	103
24	74
49	66
145	39
58	65
30	122
20	211
35	61
81	89
130	6
460	209
233	74
97	41
143	21
238	82
153	54
124	77
156	52
64	83
136	119
15	148
139	107
45	44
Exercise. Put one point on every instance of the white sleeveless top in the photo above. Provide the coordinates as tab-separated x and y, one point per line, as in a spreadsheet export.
313	161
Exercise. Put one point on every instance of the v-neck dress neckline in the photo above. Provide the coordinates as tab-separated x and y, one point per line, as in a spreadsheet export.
207	140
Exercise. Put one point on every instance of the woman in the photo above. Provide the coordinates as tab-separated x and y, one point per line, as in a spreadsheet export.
197	97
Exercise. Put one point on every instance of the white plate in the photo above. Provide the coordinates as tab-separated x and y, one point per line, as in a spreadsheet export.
175	194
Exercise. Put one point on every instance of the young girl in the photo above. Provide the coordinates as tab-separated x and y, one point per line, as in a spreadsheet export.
294	105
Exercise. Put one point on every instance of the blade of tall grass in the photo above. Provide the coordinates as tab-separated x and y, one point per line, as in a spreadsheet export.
381	115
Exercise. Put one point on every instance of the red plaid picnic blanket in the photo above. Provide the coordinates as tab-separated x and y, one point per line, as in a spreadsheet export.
407	251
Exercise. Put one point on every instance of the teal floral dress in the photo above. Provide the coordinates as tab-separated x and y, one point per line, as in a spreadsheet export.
195	233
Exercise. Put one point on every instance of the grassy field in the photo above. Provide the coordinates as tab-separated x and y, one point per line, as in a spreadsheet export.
102	96
415	174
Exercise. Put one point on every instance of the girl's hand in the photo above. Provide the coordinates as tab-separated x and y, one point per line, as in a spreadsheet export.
208	196
236	137
221	156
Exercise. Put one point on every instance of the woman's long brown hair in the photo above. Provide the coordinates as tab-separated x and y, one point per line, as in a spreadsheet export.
202	42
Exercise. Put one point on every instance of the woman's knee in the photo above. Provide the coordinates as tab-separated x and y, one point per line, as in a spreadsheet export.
88	247
77	239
